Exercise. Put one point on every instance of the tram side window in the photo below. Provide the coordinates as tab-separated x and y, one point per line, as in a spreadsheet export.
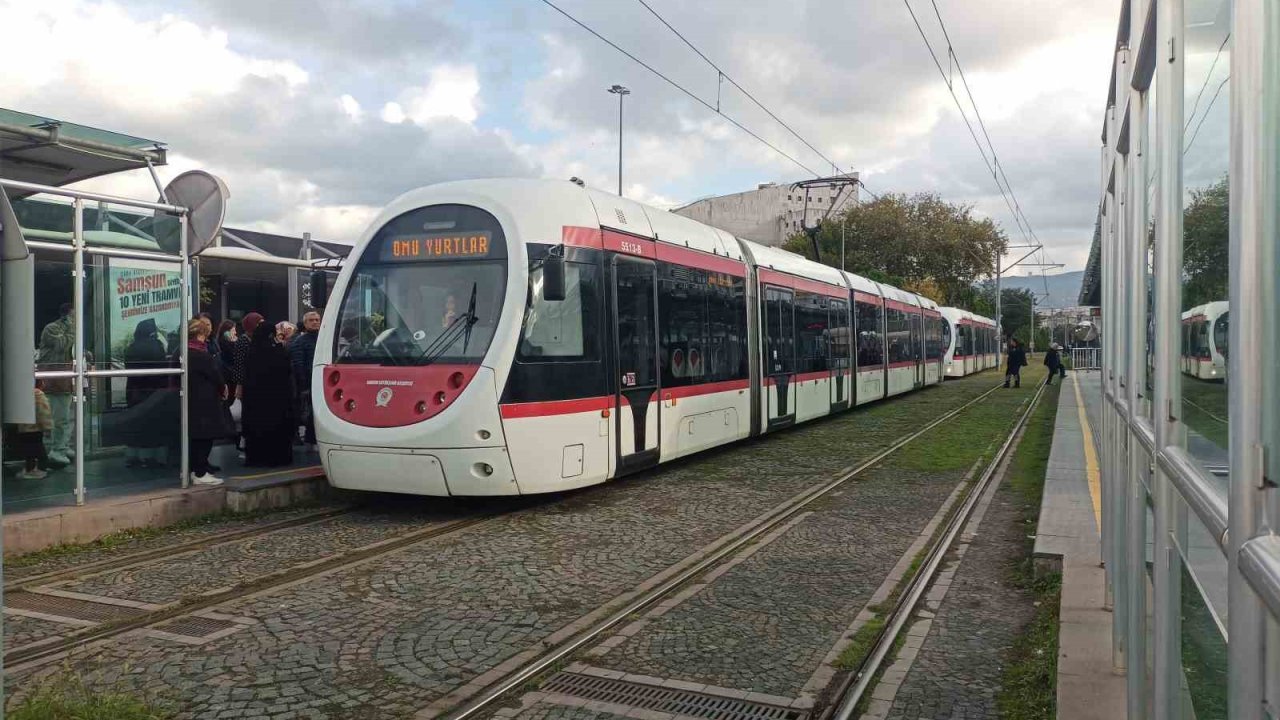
682	326
779	329
899	334
870	335
811	332
916	329
933	347
565	330
726	322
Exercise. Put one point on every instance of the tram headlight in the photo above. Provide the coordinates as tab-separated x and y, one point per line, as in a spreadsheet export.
334	377
483	434
482	469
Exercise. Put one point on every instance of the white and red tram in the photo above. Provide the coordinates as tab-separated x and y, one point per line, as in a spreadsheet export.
499	337
1205	331
971	342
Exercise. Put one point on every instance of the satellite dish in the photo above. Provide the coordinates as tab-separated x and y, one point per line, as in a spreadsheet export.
205	197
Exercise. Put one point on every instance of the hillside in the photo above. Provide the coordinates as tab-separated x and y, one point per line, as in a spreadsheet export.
1064	288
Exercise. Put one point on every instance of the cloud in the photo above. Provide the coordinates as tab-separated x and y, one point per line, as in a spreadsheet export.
294	148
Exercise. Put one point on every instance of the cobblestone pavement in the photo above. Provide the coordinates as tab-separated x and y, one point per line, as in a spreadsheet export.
956	673
21	630
392	634
18	568
241	561
553	711
766	625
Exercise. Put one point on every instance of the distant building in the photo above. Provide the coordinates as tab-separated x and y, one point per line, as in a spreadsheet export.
771	213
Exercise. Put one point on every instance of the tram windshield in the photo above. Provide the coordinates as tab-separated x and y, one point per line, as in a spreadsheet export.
428	288
418	314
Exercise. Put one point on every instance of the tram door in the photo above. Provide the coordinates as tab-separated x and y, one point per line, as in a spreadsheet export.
779	356
917	346
638	382
838	350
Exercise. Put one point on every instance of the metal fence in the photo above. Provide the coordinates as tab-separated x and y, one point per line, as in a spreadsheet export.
1086	358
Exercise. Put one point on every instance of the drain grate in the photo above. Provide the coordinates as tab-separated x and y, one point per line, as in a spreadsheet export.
69	607
196	626
660	699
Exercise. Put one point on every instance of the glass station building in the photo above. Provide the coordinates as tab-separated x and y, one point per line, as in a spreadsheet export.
102	272
1186	266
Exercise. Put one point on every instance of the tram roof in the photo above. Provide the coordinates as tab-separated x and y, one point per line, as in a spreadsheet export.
791	263
43	150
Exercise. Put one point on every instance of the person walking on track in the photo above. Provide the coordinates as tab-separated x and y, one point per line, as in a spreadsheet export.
1053	361
1014	362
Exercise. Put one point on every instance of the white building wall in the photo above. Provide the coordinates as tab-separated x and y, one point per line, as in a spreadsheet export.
771	213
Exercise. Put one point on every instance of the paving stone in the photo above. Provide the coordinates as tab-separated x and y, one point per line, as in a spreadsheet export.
398	632
957	671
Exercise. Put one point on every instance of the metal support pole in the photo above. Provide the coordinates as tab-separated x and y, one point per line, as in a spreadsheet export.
999	315
1166	581
1118	466
1251	201
78	358
620	96
184	466
1136	515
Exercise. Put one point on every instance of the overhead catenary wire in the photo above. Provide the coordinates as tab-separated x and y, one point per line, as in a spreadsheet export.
724	75
951	89
679	87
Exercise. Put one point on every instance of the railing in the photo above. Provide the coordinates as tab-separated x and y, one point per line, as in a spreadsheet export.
1086	358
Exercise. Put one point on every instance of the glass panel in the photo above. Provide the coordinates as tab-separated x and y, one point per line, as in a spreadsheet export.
1203	560
1151	173
45	218
1271	277
564	329
133	432
131	228
1204	657
1206	136
134	317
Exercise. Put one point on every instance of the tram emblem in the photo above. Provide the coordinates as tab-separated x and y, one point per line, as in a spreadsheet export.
383	398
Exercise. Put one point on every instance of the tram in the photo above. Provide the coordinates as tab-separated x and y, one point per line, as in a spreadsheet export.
501	337
1204	340
971	343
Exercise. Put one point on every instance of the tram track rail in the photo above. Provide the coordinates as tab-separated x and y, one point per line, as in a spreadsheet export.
38	653
546	663
859	682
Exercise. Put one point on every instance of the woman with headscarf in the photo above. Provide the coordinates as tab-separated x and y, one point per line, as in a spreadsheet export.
206	390
147	441
268	422
239	354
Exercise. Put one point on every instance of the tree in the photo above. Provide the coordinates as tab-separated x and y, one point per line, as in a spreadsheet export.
1016	315
918	242
1205	246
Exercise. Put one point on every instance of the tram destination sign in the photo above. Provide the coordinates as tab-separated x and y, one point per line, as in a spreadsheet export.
436	246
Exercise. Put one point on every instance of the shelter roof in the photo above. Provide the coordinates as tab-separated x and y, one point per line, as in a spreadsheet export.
43	150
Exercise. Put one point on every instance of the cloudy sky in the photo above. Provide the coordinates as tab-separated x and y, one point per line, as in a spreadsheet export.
317	112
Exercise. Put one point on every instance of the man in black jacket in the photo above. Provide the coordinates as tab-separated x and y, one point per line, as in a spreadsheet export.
302	353
1015	361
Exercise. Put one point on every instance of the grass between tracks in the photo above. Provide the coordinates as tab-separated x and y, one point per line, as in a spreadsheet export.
969	440
1028	688
68	697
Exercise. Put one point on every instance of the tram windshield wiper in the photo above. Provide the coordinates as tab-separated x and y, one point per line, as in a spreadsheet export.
460	327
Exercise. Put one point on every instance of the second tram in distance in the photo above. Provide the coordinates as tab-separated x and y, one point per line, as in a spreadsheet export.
501	337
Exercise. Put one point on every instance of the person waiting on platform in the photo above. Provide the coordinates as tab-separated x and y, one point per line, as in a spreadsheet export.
302	354
206	389
285	331
268	420
30	438
57	345
146	445
1014	362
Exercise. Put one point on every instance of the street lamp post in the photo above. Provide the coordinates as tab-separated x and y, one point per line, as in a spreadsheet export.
621	92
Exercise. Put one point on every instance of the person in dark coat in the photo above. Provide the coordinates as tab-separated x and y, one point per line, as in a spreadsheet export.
206	389
1053	361
147	439
239	353
268	421
302	353
1014	362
